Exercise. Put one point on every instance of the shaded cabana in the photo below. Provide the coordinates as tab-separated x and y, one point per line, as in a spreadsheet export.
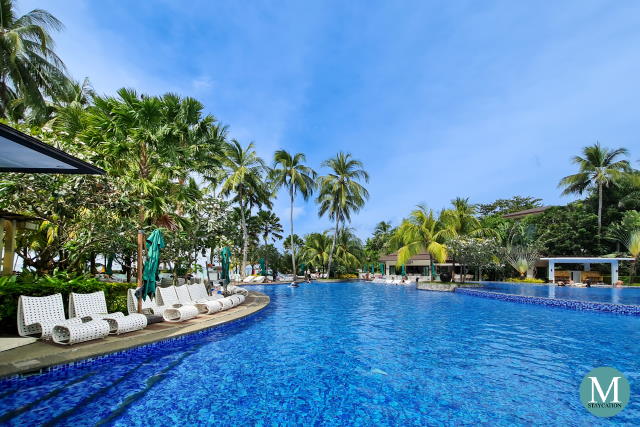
20	152
10	223
586	262
23	153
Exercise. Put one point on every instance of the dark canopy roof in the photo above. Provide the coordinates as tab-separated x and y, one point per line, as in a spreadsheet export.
20	152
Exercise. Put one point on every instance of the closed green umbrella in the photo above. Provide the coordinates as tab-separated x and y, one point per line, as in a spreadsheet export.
263	267
404	270
155	242
434	273
108	269
225	256
382	268
373	268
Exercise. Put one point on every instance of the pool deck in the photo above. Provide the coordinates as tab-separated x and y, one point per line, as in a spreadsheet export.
40	355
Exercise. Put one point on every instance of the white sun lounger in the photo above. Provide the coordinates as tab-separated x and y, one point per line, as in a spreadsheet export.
174	311
149	305
44	317
259	279
94	307
248	279
237	290
225	301
204	306
198	294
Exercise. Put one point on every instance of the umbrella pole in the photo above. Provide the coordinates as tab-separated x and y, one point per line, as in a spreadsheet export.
140	250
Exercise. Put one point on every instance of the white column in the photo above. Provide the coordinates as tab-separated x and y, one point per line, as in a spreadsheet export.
552	270
614	271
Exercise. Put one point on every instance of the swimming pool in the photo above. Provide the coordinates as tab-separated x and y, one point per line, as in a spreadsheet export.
350	354
596	294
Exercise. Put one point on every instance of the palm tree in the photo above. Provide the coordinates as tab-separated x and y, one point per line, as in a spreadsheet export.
289	172
349	251
461	221
30	71
245	171
382	228
67	112
340	192
124	132
269	225
597	169
316	249
421	232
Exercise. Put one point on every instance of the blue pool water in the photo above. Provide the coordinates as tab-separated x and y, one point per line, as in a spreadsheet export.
351	354
609	295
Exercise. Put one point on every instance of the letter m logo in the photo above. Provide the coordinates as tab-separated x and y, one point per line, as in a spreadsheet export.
595	387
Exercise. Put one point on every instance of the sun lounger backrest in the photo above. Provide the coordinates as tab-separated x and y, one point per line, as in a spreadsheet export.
167	296
197	291
132	302
33	310
81	305
183	294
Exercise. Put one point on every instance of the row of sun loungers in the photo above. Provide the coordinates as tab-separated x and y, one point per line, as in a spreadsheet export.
394	281
89	319
254	279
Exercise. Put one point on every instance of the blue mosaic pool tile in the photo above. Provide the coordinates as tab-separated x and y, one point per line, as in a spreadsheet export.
629	310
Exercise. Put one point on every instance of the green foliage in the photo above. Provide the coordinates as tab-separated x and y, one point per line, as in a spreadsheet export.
30	71
11	287
599	168
504	206
420	232
568	231
525	280
341	193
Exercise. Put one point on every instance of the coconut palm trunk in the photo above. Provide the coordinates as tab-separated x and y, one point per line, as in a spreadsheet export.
245	238
333	246
599	208
293	246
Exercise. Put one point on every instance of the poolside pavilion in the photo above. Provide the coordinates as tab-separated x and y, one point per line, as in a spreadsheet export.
579	276
23	153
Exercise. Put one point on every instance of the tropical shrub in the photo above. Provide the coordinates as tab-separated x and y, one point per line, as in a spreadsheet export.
526	280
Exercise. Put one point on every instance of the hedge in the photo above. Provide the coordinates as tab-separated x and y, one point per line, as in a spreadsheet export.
11	287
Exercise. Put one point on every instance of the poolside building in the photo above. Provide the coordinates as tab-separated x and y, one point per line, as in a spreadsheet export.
418	265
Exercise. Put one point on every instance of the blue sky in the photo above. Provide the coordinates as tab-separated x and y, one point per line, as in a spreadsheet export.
439	99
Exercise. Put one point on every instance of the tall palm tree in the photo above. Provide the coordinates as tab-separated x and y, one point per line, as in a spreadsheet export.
124	132
290	172
316	249
598	168
245	180
382	228
349	250
460	221
341	193
421	232
269	226
30	71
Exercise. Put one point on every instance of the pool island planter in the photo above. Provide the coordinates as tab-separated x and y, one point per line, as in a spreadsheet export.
444	287
602	307
41	357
